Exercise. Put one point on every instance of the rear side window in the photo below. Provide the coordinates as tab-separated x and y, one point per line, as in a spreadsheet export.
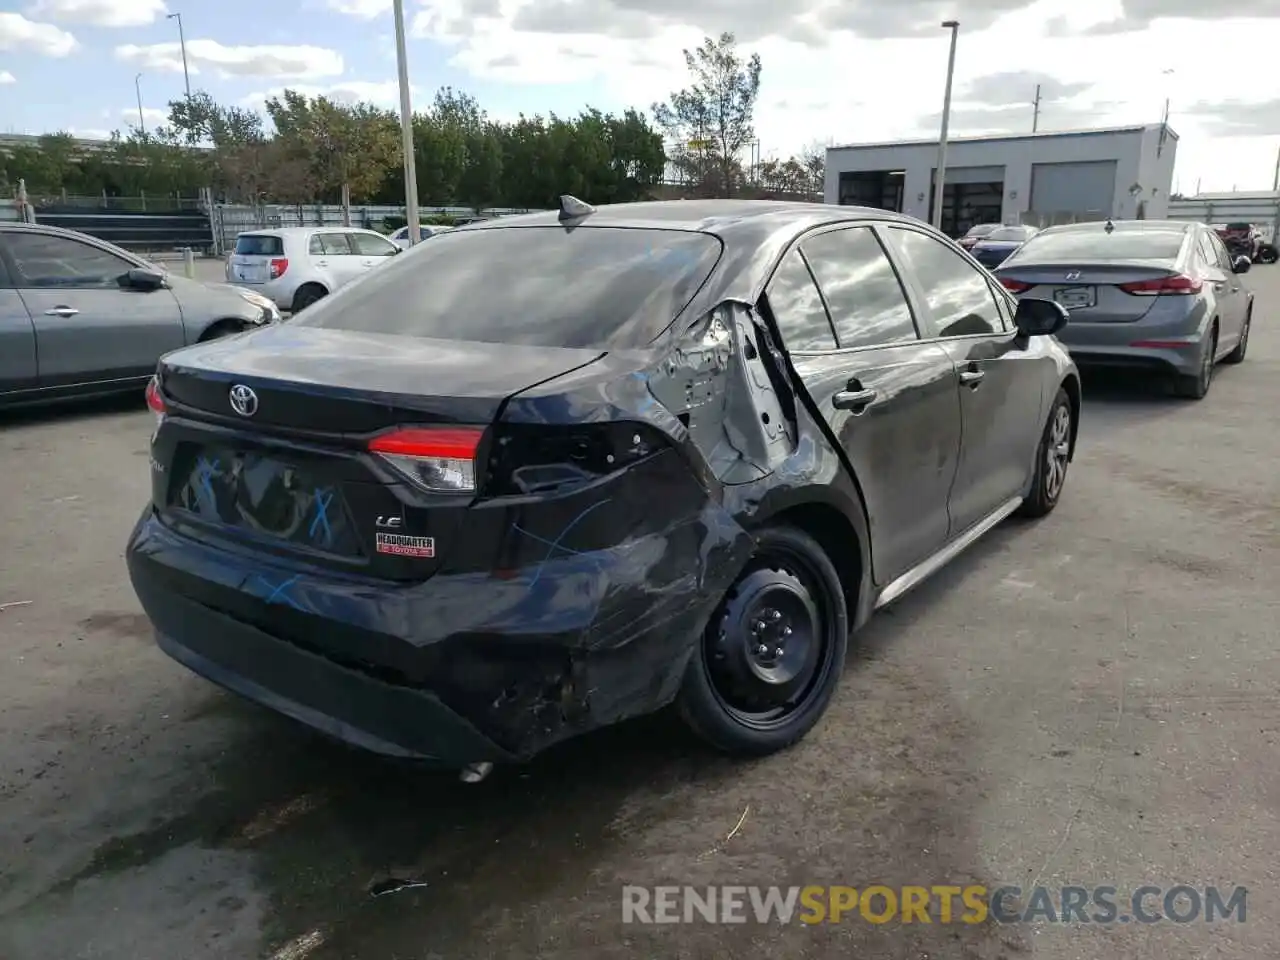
586	287
1093	245
329	245
258	245
797	307
867	303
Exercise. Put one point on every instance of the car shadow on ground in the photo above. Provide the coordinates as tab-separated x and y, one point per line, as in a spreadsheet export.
534	858
86	409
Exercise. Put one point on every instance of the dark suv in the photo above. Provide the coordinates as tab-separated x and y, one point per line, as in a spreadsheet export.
548	472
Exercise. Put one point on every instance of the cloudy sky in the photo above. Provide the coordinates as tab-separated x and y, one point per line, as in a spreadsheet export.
840	71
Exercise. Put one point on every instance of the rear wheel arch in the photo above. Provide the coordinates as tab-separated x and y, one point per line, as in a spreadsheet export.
1072	385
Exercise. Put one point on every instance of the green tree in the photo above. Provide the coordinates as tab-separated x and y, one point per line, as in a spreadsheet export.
712	119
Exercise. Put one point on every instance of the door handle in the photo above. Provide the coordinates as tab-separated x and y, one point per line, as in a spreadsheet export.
972	378
322	263
854	400
61	312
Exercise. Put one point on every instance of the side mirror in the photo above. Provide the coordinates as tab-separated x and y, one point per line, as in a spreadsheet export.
1039	318
1241	265
142	278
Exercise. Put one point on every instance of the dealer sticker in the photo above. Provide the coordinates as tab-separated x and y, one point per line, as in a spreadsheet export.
399	545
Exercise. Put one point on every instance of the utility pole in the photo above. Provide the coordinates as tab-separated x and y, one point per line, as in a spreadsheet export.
1035	117
941	174
182	42
1275	181
406	130
137	88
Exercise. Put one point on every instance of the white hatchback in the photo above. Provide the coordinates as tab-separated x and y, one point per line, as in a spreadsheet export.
296	266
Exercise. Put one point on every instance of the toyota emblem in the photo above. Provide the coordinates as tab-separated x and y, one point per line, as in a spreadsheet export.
1073	275
243	400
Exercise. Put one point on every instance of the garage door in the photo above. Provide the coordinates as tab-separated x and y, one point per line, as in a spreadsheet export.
1084	187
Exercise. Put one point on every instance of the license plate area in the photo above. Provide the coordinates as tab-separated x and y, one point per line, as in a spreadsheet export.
1075	297
263	496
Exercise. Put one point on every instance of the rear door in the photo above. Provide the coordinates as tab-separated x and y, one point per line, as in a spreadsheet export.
889	399
332	254
88	328
1233	298
17	336
1001	375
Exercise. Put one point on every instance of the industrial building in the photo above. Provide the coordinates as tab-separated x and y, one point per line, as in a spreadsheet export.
1037	179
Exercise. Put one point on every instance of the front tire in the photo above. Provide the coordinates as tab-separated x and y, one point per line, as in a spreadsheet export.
1052	459
768	663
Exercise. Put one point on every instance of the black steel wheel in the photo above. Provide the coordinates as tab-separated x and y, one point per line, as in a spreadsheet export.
772	654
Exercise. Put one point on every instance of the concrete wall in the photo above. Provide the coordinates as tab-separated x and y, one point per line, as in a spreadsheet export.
1134	152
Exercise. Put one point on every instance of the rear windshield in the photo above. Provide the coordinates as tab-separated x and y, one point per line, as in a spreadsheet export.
1009	233
1100	245
259	245
589	287
1239	226
980	230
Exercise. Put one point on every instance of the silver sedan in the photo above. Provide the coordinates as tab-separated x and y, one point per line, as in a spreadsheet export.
1150	294
81	317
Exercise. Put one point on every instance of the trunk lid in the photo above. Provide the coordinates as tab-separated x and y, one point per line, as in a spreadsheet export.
295	476
257	258
1090	291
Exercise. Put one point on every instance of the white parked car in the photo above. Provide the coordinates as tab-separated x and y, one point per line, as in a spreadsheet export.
296	266
401	237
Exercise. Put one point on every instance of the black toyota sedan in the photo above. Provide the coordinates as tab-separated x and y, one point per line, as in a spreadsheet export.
549	472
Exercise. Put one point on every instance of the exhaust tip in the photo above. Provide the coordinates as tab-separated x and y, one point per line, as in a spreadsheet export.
475	772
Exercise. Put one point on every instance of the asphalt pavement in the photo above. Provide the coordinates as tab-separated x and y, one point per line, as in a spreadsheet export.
1090	699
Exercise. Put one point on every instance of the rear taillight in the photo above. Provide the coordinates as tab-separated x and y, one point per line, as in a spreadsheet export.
436	459
155	402
1015	286
278	266
1175	286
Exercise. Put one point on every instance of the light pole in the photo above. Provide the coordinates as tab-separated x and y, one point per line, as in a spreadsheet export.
137	88
941	175
182	42
406	130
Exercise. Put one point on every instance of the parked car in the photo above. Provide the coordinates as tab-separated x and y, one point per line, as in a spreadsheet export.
674	456
993	249
976	233
425	232
1161	295
1242	239
296	266
79	316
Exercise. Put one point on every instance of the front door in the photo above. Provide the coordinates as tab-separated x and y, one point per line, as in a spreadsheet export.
889	400
999	375
1233	298
87	327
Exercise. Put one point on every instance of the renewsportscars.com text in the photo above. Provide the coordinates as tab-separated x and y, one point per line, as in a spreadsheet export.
942	904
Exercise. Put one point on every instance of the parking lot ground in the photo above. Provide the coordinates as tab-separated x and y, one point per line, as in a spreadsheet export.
1091	699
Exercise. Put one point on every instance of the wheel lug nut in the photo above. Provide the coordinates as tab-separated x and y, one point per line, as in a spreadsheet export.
786	631
777	652
762	650
777	615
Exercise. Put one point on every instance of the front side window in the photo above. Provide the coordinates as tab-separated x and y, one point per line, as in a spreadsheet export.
867	302
44	260
957	293
797	307
587	287
367	245
329	245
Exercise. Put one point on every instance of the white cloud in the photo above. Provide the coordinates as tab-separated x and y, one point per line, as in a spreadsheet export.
241	61
7	77
152	116
363	9
100	13
17	33
384	93
823	81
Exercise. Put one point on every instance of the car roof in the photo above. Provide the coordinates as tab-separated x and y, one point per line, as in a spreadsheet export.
300	231
1127	226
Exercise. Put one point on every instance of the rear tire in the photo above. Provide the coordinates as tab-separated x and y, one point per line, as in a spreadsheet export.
308	294
1237	355
1196	386
770	659
1053	456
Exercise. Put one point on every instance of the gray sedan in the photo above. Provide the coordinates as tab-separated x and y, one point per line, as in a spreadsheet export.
81	317
1156	294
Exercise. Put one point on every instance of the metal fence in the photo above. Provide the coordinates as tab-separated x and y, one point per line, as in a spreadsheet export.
229	220
1260	209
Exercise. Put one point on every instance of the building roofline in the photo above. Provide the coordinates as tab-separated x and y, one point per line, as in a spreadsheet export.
1041	135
